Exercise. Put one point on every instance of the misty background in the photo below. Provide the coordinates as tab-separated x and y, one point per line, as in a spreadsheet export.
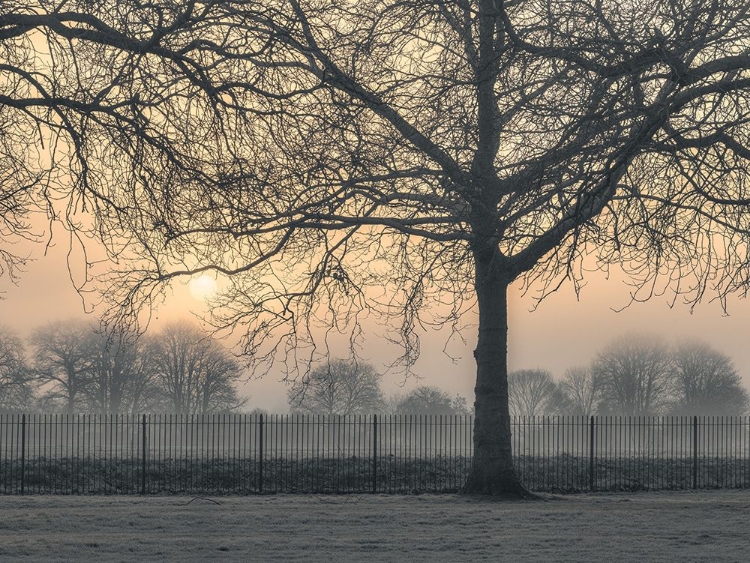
562	332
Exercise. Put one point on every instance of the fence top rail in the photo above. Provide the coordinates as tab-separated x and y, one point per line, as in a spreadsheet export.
220	417
435	419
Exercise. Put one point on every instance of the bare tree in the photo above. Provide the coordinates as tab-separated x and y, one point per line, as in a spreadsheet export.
461	406
533	392
633	376
119	377
338	387
427	399
705	382
88	369
16	392
581	390
61	361
334	159
196	374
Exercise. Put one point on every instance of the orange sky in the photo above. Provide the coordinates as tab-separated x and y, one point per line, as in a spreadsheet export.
560	334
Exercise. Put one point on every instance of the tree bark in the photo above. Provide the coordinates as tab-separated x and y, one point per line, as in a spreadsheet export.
492	470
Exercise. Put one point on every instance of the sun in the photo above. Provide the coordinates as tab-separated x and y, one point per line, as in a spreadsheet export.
202	288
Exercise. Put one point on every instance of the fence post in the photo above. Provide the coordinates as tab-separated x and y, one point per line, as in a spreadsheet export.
260	456
591	454
23	451
374	453
695	452
143	458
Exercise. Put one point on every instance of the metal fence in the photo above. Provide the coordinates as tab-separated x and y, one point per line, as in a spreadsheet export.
246	454
617	453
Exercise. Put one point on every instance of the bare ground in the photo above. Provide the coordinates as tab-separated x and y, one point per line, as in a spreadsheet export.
678	526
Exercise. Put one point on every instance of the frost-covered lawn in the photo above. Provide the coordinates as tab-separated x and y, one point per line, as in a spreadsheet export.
680	526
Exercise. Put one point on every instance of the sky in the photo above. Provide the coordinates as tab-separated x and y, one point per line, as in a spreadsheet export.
563	332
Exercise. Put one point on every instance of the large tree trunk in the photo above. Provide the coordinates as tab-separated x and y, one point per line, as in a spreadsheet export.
492	470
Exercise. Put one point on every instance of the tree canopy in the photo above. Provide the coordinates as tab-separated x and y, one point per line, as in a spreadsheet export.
341	387
633	376
15	380
429	400
194	372
533	392
705	382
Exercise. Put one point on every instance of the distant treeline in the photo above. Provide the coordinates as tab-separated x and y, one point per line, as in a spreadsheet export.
72	367
347	387
636	375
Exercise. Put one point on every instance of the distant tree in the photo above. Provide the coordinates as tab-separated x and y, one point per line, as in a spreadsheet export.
581	391
461	405
119	377
338	387
195	373
427	399
533	392
633	376
705	382
61	361
16	392
391	402
82	368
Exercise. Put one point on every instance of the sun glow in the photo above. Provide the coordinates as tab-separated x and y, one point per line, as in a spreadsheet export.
202	288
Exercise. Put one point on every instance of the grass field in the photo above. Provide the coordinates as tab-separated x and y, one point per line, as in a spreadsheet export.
216	475
665	526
